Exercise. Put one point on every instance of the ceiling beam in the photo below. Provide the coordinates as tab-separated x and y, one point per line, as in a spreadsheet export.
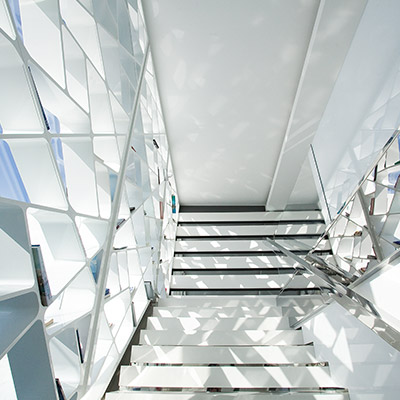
334	27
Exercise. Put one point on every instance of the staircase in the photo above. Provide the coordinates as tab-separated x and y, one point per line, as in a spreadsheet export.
224	333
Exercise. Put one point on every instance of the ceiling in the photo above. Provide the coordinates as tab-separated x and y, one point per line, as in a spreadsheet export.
243	86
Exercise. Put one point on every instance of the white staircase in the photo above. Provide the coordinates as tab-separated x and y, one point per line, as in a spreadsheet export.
225	332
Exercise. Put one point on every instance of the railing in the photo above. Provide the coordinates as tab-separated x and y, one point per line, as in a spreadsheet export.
364	232
364	237
356	304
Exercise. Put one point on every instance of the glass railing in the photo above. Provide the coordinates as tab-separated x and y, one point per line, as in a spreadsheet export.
361	274
332	289
366	230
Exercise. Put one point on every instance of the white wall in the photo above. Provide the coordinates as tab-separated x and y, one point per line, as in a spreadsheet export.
364	107
359	359
382	289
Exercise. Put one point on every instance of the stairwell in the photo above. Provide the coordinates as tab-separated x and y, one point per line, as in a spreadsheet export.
225	330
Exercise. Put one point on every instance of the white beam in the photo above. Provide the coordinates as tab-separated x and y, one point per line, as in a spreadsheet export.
334	28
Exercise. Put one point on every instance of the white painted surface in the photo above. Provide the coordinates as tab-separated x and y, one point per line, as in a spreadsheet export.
225	377
223	355
250	216
258	337
233	262
220	245
223	324
305	191
382	289
363	110
303	243
250	230
310	300
219	396
333	32
223	98
217	301
358	358
277	281
240	301
231	312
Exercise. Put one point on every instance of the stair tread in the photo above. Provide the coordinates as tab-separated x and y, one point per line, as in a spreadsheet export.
239	281
137	395
215	338
223	355
251	216
230	312
205	324
239	230
239	301
233	262
226	245
218	301
232	341
225	377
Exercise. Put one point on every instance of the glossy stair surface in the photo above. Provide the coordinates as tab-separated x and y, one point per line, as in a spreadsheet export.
225	330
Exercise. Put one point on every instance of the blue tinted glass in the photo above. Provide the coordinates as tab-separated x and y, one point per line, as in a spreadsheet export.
52	121
113	184
59	155
14	5
95	263
11	185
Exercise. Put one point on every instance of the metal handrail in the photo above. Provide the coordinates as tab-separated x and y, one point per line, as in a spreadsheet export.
385	148
354	303
355	277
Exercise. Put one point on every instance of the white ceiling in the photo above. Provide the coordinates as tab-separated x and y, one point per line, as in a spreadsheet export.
240	86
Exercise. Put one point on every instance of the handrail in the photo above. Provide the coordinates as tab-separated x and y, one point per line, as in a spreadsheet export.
385	148
367	230
354	303
102	280
384	263
320	181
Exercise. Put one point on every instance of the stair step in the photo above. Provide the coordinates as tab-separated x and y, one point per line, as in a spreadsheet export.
230	312
223	324
138	395
222	338
303	243
240	301
277	281
241	245
224	355
233	262
225	377
300	301
251	216
249	230
217	301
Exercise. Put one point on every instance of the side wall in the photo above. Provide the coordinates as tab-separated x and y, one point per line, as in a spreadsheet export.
363	110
